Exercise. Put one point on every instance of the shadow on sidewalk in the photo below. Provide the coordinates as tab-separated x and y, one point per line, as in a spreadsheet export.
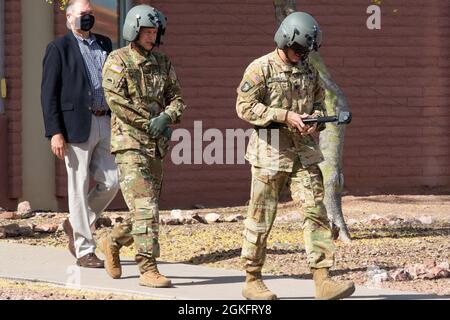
233	253
217	280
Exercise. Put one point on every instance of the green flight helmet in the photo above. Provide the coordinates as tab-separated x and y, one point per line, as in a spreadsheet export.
300	28
144	16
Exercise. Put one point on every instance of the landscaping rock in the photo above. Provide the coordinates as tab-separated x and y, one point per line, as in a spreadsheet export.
426	219
14	230
8	215
46	228
24	210
103	222
400	275
429	270
213	218
116	218
169	221
10	230
234	218
45	214
199	218
378	221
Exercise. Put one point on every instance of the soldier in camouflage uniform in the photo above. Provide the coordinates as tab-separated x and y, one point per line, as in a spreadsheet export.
144	95
278	90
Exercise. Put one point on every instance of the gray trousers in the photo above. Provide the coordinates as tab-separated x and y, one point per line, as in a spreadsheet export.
90	158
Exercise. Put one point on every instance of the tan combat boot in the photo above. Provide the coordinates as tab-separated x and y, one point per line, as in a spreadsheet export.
328	289
152	277
112	257
255	289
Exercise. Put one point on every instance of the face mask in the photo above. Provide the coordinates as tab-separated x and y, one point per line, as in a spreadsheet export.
85	23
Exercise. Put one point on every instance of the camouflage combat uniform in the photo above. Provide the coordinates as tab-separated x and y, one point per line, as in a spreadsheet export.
138	88
269	89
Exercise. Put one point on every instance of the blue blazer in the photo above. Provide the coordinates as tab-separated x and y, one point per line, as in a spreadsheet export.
66	89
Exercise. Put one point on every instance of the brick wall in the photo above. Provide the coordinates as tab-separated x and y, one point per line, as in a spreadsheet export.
210	44
396	80
13	70
397	83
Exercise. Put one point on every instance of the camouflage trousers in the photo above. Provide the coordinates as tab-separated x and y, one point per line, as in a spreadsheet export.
306	186
140	179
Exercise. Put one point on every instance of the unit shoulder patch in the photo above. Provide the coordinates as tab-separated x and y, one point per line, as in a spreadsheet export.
246	86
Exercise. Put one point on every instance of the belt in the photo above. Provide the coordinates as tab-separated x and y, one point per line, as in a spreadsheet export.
100	113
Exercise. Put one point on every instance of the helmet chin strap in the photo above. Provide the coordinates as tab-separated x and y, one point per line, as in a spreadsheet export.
285	51
142	49
303	58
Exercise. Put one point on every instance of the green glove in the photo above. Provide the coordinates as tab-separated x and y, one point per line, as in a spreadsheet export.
167	133
158	125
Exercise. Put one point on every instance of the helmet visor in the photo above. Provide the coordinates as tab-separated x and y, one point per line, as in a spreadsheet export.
299	49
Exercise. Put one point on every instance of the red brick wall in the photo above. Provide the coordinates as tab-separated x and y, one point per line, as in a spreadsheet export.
396	80
397	83
210	44
5	201
13	71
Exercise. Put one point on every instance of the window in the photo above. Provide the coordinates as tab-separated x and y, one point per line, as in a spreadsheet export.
109	18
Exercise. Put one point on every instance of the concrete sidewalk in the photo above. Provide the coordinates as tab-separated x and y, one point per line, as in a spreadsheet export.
57	266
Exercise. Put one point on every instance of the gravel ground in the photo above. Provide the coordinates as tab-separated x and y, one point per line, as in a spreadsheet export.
24	290
375	245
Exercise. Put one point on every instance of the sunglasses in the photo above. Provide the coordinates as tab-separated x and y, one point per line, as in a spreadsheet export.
300	50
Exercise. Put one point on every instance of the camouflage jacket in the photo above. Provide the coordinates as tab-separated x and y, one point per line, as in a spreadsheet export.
269	89
138	88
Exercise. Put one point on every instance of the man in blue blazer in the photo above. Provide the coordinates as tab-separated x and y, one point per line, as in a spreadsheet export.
77	121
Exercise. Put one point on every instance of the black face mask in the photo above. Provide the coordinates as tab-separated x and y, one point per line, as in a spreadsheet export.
85	23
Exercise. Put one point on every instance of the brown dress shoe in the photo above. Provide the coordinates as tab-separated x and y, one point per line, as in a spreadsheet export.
90	261
67	227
